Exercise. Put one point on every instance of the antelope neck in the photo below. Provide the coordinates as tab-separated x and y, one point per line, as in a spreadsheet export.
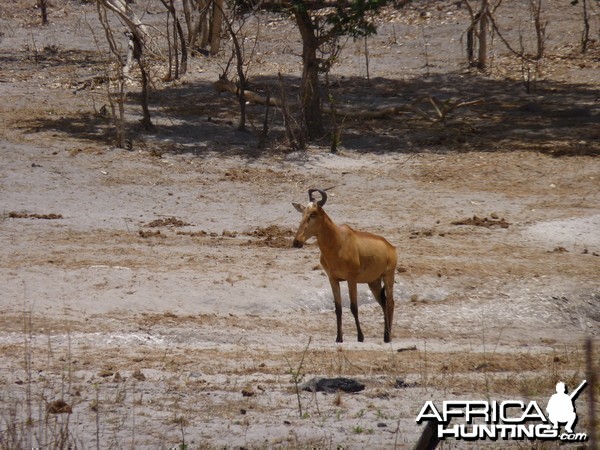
329	236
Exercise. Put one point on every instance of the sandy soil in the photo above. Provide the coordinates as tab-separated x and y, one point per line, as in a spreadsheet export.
156	293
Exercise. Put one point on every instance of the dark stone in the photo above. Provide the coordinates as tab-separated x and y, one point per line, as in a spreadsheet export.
332	385
401	384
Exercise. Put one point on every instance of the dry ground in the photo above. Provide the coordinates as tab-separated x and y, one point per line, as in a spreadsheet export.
155	292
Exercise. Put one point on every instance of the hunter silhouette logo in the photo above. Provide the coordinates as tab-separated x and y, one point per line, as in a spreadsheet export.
561	408
509	419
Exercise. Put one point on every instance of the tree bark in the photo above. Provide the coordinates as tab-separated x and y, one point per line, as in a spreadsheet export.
43	4
585	35
180	69
540	28
189	18
217	21
483	20
138	49
135	25
311	95
239	58
116	98
203	23
140	38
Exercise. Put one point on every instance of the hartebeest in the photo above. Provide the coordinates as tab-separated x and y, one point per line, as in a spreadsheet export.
352	256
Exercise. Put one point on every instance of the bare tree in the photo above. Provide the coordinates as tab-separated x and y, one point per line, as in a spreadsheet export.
585	37
179	42
540	27
196	14
483	21
235	24
204	22
237	39
585	34
116	80
122	9
477	34
43	5
138	37
483	24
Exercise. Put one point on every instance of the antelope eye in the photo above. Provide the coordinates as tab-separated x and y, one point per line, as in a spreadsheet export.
313	215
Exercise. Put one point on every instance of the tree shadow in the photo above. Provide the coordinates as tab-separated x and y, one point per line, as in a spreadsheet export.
558	118
53	56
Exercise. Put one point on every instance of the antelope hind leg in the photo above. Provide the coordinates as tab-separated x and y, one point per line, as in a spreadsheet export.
388	305
378	292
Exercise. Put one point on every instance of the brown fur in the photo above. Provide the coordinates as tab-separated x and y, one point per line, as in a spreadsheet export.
351	256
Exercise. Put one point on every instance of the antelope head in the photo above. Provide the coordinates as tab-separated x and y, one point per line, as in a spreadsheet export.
312	217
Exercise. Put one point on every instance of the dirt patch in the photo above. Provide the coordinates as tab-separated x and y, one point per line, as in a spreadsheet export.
493	221
200	233
150	234
273	236
59	407
254	175
173	222
18	215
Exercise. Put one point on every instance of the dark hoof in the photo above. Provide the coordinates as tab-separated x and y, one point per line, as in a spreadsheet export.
361	338
339	339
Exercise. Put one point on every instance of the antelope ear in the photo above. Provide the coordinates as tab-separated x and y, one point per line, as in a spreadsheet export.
300	208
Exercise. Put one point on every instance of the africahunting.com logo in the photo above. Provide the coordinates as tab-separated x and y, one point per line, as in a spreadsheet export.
510	419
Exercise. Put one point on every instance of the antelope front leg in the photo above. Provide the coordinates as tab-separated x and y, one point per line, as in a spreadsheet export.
389	307
353	291
337	299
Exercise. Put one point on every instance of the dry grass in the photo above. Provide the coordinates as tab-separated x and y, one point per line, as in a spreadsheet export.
181	386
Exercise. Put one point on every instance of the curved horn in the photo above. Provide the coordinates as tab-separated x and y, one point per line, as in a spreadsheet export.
323	196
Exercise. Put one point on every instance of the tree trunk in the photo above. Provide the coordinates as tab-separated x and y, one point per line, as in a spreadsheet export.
177	34
146	120
239	58
540	28
43	4
198	25
139	57
189	18
311	95
483	20
135	25
585	35
140	38
217	21
203	23
116	97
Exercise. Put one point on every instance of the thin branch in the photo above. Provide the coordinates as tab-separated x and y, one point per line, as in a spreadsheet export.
508	46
